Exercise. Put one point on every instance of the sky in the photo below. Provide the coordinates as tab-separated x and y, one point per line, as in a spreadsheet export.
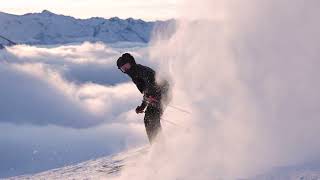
143	9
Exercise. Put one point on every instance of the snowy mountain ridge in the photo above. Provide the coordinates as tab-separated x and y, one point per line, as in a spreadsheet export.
50	28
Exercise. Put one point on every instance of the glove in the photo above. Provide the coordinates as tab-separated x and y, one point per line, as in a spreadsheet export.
140	109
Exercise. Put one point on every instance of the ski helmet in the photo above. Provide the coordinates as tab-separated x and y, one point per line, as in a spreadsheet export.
125	58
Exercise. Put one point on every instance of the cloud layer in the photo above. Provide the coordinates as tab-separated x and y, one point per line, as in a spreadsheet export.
66	104
74	86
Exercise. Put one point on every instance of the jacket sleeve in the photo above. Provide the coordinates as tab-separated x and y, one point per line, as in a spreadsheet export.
151	87
140	84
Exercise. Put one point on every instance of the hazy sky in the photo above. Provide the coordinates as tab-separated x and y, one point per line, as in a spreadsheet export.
144	9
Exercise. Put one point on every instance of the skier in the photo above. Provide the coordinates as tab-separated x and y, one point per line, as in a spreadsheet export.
155	94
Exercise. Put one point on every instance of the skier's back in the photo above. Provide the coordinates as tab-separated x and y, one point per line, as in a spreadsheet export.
154	94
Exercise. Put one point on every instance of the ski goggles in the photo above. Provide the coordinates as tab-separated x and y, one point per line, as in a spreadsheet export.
124	68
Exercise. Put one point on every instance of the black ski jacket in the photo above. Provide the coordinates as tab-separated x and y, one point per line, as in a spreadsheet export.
145	80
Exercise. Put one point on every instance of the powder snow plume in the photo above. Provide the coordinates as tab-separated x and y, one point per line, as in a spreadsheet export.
248	72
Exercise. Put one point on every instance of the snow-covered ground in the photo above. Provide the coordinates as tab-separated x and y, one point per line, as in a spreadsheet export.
291	175
102	168
111	167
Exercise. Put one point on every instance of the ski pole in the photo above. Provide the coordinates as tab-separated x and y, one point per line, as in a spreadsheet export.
174	107
170	122
180	109
176	125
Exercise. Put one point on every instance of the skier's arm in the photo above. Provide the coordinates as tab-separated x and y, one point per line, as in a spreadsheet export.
148	88
140	84
144	103
151	87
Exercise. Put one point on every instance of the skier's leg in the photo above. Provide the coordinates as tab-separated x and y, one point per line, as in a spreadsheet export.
152	122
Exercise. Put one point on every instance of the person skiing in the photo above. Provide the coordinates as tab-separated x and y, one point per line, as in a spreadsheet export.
155	94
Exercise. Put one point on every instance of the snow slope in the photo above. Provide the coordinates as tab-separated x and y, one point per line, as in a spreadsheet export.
49	28
102	168
110	167
291	175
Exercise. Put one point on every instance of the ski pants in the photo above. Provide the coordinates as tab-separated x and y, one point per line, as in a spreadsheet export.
152	122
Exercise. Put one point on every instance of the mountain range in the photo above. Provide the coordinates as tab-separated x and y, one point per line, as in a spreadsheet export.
47	28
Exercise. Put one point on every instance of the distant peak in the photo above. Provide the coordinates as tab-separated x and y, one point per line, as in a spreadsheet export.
46	12
115	19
